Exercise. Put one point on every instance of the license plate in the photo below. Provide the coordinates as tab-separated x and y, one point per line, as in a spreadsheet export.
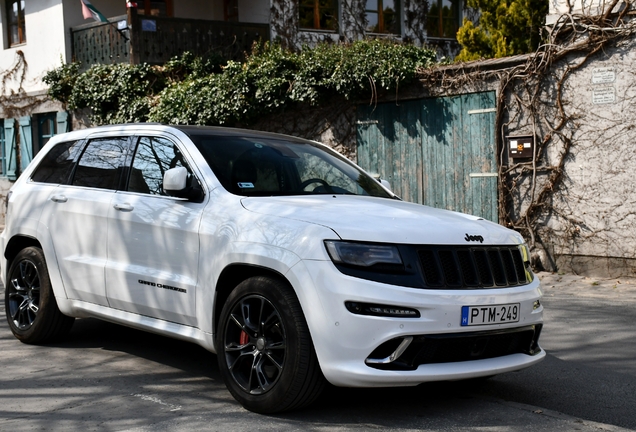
490	314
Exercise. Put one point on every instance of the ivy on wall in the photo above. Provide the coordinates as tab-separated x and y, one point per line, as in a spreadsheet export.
189	90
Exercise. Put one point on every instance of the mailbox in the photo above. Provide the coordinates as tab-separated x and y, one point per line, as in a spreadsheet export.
520	147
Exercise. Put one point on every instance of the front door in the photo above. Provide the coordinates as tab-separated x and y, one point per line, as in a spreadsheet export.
153	245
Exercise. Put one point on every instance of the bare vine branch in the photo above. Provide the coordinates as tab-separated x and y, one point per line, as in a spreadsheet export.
14	100
573	40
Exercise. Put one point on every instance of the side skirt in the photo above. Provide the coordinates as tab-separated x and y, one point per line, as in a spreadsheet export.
80	309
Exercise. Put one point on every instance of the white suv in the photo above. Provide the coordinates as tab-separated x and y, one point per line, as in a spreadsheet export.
276	253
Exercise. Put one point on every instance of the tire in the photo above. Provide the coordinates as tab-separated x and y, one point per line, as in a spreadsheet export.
30	305
265	353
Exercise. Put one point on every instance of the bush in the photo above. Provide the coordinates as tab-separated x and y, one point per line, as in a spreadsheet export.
192	90
61	81
118	93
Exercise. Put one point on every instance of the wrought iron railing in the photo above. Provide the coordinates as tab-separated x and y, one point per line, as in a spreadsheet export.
137	39
101	43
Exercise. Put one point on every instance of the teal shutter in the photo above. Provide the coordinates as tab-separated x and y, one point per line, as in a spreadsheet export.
9	148
26	142
63	125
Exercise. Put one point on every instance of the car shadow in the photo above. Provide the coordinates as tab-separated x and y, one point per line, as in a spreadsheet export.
335	406
177	354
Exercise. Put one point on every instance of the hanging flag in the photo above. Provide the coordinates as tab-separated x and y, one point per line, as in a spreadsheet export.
89	11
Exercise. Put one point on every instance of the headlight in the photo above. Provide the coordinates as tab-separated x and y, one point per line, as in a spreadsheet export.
362	254
525	256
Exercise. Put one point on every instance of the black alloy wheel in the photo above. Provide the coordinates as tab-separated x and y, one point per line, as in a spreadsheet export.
264	349
24	295
30	305
255	344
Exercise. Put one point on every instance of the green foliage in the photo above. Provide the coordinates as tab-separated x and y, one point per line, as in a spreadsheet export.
61	81
178	68
356	70
272	78
118	93
506	27
191	90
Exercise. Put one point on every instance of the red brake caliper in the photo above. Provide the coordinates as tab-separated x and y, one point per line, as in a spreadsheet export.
244	338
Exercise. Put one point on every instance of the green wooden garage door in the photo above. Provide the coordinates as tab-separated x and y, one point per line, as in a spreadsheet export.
437	151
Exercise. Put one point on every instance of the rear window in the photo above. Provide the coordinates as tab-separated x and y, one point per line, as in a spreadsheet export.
58	163
100	166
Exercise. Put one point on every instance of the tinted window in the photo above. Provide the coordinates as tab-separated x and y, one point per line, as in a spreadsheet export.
275	166
154	156
58	163
100	164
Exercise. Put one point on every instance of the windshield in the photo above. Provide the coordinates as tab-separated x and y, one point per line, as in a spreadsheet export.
267	166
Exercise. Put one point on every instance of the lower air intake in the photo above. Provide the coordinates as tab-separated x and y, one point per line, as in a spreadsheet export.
458	347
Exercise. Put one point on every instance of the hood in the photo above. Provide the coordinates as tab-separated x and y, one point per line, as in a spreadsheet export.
384	220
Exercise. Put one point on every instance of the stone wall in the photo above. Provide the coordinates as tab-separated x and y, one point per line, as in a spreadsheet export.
333	124
586	224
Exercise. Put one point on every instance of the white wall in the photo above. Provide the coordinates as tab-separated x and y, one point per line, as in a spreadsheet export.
582	7
5	185
44	26
47	25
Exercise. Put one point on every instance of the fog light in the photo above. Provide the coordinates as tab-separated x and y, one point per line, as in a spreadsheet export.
381	310
536	305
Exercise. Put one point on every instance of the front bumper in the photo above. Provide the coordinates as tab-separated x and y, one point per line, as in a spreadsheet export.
344	341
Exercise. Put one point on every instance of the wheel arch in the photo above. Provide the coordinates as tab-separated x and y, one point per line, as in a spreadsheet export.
16	244
21	240
231	276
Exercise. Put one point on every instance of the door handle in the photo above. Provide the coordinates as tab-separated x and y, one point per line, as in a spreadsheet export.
123	207
59	198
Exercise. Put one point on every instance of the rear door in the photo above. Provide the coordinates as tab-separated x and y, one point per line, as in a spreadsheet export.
76	215
153	244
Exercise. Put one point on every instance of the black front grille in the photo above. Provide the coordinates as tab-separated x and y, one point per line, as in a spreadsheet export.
466	267
457	347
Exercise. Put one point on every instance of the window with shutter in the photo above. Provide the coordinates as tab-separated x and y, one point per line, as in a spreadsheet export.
443	19
15	22
383	16
26	142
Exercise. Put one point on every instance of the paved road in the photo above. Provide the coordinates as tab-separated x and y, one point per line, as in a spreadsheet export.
109	378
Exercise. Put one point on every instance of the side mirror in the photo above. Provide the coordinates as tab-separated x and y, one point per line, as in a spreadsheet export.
175	180
383	182
178	183
386	184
